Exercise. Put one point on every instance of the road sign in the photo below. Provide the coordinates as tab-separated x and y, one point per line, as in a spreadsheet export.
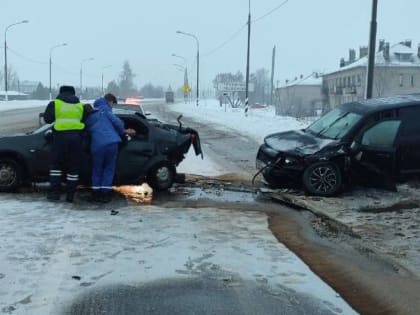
234	87
186	88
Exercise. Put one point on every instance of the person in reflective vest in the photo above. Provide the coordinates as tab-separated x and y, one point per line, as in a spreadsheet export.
66	113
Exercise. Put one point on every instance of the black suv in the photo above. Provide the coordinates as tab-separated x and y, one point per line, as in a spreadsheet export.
151	155
375	141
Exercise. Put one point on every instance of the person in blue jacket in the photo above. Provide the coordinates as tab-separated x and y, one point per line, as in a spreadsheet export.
106	131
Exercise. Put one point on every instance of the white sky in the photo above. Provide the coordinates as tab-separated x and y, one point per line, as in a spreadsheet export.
310	36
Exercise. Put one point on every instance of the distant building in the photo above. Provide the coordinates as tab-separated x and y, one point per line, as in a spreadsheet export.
397	71
300	97
28	87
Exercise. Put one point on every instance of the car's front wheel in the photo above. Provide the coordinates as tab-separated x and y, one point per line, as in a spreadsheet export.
322	179
161	176
10	175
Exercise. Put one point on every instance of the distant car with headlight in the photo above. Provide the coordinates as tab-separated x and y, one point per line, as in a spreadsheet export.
374	142
151	156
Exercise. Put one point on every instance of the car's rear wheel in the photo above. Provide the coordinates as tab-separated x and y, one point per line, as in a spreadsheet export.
322	179
161	176
11	175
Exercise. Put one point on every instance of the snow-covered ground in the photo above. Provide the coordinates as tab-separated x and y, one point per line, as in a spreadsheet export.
259	123
9	105
44	246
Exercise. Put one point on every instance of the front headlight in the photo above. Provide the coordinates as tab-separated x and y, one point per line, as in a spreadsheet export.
290	161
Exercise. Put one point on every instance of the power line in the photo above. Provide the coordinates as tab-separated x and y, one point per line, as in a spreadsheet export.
28	59
270	12
232	37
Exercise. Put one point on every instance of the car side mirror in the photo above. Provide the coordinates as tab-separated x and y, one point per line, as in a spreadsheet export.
355	146
48	135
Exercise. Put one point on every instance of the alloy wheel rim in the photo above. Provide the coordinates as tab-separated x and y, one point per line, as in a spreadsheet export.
162	174
323	179
8	175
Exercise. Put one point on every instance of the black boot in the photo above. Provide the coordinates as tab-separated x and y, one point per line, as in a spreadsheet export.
70	197
106	197
95	196
53	195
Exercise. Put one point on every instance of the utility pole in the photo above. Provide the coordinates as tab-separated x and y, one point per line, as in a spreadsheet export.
372	48
198	62
247	61
5	56
272	75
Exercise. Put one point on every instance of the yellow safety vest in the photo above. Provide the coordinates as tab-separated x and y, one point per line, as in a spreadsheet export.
68	116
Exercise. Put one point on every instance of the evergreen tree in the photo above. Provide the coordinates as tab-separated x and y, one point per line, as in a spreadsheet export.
127	87
41	92
113	88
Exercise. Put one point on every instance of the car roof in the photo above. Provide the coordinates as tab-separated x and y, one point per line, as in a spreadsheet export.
382	103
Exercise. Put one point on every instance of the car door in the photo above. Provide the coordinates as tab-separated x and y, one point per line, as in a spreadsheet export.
134	154
375	157
41	153
409	140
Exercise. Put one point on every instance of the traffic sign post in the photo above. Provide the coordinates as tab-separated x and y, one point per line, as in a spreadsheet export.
234	87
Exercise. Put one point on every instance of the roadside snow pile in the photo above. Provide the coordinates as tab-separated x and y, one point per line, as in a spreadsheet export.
259	123
9	105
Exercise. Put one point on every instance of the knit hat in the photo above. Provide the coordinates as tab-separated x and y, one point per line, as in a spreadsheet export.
68	89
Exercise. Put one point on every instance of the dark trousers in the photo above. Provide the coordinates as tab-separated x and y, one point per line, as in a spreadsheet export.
66	159
104	161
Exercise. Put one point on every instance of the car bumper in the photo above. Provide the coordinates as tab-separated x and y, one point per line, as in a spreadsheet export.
278	164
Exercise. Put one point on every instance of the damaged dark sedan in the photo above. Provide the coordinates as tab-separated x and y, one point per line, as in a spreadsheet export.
152	155
373	142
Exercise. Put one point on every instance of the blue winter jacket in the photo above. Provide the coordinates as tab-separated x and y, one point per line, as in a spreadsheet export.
104	127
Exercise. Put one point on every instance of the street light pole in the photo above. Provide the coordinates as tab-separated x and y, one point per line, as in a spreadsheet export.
371	57
186	94
180	67
198	61
51	50
247	60
81	74
5	55
103	68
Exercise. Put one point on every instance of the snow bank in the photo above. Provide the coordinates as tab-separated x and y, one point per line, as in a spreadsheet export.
259	123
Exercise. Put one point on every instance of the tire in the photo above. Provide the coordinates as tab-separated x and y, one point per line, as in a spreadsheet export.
161	176
322	179
11	175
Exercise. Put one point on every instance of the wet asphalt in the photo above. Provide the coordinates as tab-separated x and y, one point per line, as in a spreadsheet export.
194	296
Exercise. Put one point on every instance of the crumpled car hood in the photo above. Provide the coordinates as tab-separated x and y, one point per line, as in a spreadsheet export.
298	142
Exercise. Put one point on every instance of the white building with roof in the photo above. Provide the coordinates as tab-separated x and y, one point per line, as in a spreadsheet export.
300	97
397	71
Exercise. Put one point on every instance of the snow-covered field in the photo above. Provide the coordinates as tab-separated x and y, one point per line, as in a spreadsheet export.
259	123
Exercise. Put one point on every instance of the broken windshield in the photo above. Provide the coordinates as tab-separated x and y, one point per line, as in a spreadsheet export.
335	124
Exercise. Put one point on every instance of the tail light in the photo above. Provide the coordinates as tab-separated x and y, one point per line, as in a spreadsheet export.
193	138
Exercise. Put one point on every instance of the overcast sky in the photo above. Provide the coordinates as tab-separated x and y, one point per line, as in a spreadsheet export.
309	35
